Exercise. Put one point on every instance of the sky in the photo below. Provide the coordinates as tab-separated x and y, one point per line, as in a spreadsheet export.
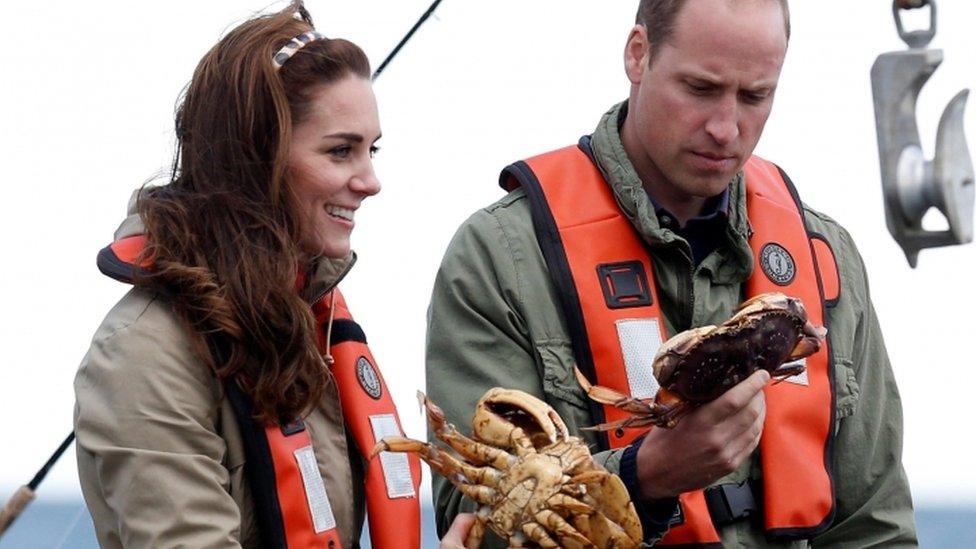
86	104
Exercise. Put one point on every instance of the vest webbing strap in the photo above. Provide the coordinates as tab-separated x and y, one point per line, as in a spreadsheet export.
393	521
799	499
275	479
575	214
272	452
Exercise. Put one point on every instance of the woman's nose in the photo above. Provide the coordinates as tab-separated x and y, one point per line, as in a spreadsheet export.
366	182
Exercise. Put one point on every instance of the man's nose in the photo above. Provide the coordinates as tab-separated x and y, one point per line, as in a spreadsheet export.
723	124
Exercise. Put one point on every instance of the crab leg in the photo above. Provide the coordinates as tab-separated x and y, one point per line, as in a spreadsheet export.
626	423
564	502
582	524
563	530
606	395
602	486
573	456
439	460
536	533
784	371
477	531
665	411
470	449
608	534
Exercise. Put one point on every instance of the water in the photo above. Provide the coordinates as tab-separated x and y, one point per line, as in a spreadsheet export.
67	525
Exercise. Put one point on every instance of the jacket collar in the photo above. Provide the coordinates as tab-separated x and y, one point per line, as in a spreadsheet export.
734	262
326	273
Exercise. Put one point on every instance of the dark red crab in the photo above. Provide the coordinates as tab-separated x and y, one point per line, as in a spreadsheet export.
696	366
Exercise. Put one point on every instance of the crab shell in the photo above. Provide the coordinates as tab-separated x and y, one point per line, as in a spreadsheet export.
500	411
766	331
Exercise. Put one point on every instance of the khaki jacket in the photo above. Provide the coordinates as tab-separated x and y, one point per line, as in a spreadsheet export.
495	320
159	451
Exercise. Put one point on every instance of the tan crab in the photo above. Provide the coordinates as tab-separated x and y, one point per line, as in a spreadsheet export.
534	483
698	365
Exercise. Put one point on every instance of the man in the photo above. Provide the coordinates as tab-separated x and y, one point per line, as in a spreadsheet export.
659	222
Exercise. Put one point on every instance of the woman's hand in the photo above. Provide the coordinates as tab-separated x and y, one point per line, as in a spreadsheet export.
454	538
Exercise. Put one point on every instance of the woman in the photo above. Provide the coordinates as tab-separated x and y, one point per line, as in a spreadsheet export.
229	399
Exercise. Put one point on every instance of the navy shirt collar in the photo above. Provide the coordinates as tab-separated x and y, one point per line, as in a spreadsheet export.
705	232
716	207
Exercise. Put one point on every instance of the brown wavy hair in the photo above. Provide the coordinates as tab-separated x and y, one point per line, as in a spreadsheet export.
223	232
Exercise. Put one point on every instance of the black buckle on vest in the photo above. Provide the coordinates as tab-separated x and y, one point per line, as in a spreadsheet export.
292	428
624	284
728	503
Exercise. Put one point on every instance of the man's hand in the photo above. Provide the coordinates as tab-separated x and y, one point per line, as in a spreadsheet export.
454	538
707	444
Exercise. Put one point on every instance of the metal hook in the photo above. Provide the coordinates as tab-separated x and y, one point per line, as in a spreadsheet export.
919	38
912	185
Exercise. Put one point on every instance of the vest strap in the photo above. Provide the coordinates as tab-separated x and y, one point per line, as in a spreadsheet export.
285	509
392	479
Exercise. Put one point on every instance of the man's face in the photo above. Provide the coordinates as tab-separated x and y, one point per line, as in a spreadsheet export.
696	112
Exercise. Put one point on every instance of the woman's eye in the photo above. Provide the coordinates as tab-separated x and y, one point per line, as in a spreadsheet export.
341	151
373	150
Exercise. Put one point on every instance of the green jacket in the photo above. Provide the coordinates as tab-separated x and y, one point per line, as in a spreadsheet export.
495	320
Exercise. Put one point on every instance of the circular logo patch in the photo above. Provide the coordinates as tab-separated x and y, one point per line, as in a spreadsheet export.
777	264
368	378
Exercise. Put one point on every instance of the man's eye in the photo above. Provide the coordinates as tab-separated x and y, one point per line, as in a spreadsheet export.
699	89
341	151
373	150
754	98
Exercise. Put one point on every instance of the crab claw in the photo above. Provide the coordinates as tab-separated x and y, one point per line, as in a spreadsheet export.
435	416
599	393
809	344
501	412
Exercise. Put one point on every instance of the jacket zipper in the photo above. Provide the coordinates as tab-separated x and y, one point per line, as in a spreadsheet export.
689	290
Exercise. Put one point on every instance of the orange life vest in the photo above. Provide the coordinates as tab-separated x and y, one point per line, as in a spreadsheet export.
291	503
603	272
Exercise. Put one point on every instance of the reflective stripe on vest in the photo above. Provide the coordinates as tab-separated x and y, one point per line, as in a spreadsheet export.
291	505
611	307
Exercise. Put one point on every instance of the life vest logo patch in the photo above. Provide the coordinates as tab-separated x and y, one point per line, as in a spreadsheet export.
368	378
777	264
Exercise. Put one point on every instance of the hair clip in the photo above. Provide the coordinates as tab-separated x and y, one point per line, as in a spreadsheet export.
293	45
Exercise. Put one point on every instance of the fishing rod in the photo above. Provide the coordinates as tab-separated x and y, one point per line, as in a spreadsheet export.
25	494
423	19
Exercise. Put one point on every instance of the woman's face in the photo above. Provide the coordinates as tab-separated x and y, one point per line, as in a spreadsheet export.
331	165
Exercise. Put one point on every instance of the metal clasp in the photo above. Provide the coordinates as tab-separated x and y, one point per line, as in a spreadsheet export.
912	184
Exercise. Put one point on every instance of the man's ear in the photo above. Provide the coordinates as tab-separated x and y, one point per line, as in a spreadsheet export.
637	54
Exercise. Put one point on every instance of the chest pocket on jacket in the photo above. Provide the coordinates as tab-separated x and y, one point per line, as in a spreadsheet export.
847	388
558	381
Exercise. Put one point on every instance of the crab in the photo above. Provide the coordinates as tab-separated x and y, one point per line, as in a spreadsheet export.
532	481
769	332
